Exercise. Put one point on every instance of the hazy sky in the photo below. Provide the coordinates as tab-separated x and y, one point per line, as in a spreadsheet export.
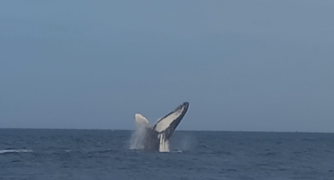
242	65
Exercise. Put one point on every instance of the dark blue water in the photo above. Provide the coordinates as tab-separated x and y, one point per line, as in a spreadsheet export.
105	155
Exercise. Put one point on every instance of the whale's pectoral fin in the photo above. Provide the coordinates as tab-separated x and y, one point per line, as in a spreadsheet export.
141	120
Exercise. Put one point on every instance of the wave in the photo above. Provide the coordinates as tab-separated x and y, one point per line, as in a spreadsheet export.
176	151
15	151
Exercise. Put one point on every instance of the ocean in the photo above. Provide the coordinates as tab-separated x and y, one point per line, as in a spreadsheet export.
49	154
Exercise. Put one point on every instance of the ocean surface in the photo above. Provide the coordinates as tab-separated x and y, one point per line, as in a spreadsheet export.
46	154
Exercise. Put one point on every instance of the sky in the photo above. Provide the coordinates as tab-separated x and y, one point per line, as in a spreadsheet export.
242	65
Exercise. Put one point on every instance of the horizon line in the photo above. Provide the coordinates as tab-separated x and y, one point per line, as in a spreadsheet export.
120	129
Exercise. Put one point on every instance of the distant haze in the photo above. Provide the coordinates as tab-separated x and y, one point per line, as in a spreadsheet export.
242	65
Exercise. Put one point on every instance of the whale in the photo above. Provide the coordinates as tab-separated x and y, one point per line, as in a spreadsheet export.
156	137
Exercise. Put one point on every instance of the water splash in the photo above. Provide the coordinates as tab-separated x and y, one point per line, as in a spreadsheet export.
183	142
187	142
138	139
140	136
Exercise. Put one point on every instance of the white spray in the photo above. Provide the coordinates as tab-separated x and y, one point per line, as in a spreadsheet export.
138	138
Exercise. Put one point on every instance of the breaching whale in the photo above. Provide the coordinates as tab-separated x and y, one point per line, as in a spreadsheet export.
156	137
